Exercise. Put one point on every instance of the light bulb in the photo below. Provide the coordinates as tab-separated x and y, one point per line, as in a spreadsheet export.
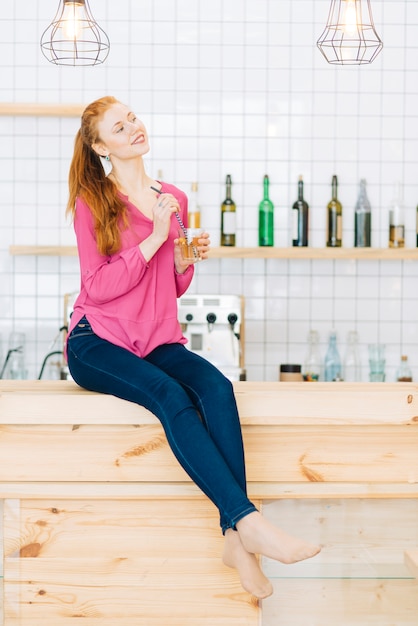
350	18
71	20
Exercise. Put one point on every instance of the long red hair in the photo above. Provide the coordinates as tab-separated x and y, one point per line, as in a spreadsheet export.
87	179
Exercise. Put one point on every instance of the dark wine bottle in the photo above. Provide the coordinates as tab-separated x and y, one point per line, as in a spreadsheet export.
266	217
228	216
335	218
300	218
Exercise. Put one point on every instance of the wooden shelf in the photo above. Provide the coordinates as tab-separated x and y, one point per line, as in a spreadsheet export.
376	254
315	253
41	110
43	250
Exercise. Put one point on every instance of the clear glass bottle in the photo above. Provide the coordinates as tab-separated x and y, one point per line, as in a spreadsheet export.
15	366
300	218
396	220
362	219
351	366
404	373
266	217
332	365
193	210
228	216
377	362
334	218
312	364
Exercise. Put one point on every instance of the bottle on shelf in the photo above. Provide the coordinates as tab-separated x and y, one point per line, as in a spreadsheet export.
334	217
396	220
266	217
228	216
312	365
362	218
300	218
404	373
351	365
332	364
193	211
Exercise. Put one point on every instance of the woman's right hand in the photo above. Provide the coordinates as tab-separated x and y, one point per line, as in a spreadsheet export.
163	209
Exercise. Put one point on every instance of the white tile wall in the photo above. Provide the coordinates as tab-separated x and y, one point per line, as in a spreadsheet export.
227	86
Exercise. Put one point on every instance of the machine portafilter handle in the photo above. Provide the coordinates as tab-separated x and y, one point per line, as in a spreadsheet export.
211	319
232	319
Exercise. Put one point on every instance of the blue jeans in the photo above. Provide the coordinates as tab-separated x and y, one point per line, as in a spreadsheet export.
193	400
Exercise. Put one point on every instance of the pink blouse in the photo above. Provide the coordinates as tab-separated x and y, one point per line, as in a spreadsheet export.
128	301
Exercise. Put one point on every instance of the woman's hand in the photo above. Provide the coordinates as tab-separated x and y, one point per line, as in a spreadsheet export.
203	246
162	210
164	207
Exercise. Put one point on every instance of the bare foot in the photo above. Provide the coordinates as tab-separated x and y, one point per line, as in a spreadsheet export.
258	535
250	574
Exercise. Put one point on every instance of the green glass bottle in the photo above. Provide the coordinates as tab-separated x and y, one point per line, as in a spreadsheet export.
266	218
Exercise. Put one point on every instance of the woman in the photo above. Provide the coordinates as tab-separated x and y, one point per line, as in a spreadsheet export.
125	339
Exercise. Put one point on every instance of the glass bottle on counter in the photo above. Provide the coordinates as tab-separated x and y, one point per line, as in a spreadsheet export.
266	217
312	364
332	365
351	366
300	218
193	210
14	365
362	219
377	362
404	373
396	220
334	217
228	216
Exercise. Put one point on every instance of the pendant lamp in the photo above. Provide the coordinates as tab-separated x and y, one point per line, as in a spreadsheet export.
350	37
74	37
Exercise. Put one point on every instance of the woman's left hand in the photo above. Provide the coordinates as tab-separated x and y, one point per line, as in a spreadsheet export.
181	265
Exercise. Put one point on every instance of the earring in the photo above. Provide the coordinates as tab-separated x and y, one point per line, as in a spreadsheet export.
107	164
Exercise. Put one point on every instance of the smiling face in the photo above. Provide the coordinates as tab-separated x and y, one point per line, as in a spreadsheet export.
121	134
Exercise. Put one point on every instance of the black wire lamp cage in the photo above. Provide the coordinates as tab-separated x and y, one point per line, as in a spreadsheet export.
74	37
350	38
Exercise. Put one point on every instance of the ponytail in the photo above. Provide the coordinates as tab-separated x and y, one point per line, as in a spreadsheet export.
87	180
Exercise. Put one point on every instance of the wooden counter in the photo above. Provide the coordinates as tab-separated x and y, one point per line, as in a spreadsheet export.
101	523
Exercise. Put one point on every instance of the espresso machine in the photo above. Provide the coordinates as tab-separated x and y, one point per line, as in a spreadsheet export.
214	328
212	324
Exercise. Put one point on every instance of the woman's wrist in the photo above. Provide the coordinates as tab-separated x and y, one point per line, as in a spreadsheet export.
180	271
150	246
